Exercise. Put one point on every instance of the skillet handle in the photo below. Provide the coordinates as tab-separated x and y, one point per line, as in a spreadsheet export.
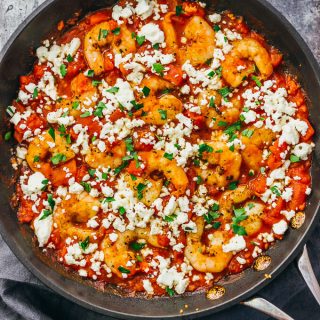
308	275
267	307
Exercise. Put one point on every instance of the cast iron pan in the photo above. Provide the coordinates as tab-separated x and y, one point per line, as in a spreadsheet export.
15	59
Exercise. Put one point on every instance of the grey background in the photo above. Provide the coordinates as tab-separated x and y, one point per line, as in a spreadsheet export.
23	297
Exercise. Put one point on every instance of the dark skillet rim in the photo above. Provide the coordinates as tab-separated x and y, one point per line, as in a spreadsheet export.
241	297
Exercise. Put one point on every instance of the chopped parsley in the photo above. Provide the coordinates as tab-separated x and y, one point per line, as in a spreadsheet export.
204	148
95	83
122	210
170	292
211	103
136	106
8	136
216	28
158	68
59	157
69	58
257	81
294	158
90	73
85	114
179	10
99	109
113	90
239	215
140	39
75	105
275	190
146	91
247	133
170	218
232	129
123	270
199	180
45	213
224	92
63	70
222	123
103	34
163	114
212	214
116	31
52	133
51	201
84	244
36	159
233	185
86	186
140	188
35	93
169	156
136	246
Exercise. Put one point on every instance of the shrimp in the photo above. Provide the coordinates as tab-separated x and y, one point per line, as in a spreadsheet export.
233	69
156	84
151	193
155	162
160	111
170	33
100	36
71	213
252	153
226	164
232	197
45	145
253	223
200	42
111	157
207	259
117	254
215	114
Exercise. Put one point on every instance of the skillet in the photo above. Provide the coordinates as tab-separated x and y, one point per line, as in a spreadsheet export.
16	59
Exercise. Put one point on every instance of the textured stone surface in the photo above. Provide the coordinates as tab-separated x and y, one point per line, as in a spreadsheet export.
303	14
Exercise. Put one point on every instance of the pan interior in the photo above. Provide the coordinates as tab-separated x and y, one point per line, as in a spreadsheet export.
16	60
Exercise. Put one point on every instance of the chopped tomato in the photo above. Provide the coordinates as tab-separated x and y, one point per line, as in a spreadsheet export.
259	184
59	174
81	172
133	169
198	119
93	126
82	84
276	57
38	71
298	197
75	67
98	17
24	80
25	212
310	132
174	74
163	240
116	115
108	63
300	171
273	215
192	9
274	159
